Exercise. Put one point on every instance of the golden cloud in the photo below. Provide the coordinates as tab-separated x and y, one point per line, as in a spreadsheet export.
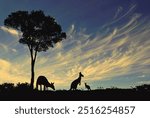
10	31
121	51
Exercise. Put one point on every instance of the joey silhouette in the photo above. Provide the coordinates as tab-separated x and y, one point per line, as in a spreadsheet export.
42	80
87	87
75	83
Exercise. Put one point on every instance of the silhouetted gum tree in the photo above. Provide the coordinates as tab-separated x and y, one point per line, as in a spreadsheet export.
39	32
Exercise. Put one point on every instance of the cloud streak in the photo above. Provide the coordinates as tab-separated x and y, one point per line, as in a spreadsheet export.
122	51
11	31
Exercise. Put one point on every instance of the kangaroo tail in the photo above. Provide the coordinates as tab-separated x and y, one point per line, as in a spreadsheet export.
37	85
70	88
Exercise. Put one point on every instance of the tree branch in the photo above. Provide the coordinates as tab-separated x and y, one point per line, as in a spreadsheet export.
35	55
36	51
31	51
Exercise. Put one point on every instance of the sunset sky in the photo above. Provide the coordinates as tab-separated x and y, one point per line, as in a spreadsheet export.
107	40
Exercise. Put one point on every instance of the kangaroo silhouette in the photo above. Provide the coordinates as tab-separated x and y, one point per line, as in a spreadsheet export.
42	80
87	86
75	83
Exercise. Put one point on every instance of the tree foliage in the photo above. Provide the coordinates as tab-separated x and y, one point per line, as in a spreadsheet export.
39	32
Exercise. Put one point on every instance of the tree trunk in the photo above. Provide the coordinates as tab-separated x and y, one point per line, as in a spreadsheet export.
32	73
33	58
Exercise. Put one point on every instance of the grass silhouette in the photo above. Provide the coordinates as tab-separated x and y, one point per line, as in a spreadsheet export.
23	92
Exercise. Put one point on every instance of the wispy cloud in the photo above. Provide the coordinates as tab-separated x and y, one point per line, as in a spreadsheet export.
119	10
10	31
117	18
10	72
120	52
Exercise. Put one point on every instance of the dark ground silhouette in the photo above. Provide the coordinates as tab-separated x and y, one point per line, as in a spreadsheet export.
23	92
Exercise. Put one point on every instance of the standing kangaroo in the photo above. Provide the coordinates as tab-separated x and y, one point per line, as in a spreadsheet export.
42	80
75	83
87	86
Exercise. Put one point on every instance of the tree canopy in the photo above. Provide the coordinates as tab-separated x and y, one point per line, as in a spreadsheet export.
39	32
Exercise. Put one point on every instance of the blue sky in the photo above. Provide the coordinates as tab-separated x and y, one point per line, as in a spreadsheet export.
83	13
107	40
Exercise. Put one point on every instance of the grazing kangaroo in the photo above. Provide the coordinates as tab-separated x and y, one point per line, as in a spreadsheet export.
42	80
75	83
87	86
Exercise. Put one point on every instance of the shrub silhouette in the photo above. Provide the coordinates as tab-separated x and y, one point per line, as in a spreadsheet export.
23	86
143	87
6	87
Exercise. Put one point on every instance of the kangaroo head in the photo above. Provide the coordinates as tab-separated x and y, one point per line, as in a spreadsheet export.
52	86
81	75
